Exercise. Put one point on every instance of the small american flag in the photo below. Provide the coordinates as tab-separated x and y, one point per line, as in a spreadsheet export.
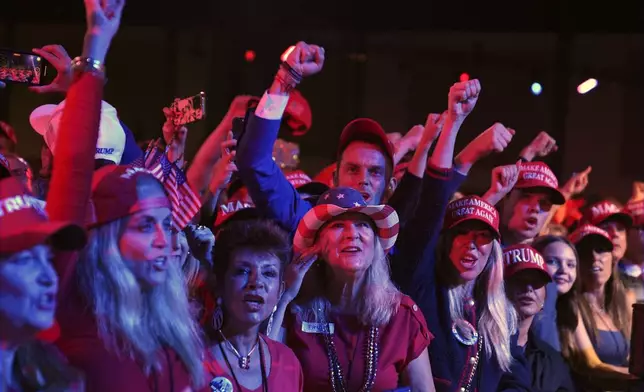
183	200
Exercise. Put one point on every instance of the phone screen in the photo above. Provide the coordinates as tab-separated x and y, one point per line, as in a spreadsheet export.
20	67
189	110
238	128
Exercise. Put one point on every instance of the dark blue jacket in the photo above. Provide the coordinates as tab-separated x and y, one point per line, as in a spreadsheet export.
275	197
414	270
544	325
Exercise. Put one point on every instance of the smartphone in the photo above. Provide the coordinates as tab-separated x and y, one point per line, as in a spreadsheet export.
23	67
239	125
189	110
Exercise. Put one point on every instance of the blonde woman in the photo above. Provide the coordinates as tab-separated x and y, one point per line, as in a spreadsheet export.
351	329
457	278
127	322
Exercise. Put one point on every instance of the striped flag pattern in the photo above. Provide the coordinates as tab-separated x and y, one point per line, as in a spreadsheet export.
183	200
341	200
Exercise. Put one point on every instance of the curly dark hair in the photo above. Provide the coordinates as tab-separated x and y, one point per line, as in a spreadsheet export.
257	235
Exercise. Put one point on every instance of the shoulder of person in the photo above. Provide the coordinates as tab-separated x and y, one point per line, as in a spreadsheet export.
281	353
409	307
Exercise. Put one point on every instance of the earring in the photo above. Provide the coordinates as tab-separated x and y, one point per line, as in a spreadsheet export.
218	316
270	322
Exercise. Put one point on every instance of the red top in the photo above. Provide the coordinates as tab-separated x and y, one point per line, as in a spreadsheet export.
284	373
401	341
68	200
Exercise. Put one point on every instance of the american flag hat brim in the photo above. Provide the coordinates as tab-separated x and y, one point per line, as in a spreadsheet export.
384	217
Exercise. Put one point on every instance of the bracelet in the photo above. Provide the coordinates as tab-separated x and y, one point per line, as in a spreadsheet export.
87	64
523	160
288	77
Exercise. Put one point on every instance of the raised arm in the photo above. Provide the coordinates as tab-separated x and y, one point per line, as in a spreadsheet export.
495	138
70	187
413	259
271	192
200	171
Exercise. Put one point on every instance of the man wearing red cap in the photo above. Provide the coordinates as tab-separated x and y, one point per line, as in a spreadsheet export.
526	209
365	153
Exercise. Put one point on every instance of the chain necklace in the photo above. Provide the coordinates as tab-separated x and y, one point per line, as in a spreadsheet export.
336	377
262	367
242	360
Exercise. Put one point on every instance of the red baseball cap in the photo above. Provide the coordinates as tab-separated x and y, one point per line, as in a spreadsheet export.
366	130
24	223
325	176
472	208
114	193
237	209
523	257
607	210
589	232
537	175
5	171
303	183
636	210
298	113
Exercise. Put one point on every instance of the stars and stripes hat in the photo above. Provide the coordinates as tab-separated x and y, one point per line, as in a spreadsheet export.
338	201
115	195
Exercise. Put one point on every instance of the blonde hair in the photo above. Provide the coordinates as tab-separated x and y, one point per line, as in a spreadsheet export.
376	303
498	318
132	322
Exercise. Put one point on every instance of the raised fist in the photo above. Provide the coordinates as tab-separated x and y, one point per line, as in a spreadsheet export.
503	180
541	146
462	98
306	59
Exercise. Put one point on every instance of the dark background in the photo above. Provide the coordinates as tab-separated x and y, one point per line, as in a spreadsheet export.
393	62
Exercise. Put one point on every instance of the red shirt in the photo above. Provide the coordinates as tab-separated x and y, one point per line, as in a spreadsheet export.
284	375
400	342
68	200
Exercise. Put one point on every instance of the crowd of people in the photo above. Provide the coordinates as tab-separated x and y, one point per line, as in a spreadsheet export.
123	268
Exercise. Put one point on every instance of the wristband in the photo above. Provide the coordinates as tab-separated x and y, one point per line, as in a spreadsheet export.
87	64
523	160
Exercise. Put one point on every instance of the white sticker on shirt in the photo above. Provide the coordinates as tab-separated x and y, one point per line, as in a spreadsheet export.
317	327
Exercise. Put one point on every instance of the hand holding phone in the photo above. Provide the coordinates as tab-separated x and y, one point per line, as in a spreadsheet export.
22	67
189	110
239	126
57	56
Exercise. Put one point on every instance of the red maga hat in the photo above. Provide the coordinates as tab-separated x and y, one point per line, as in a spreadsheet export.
537	175
24	223
472	208
606	210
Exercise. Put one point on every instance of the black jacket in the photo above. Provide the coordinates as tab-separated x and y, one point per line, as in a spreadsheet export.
550	373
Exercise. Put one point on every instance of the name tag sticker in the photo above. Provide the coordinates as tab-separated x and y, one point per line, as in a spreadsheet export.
317	327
